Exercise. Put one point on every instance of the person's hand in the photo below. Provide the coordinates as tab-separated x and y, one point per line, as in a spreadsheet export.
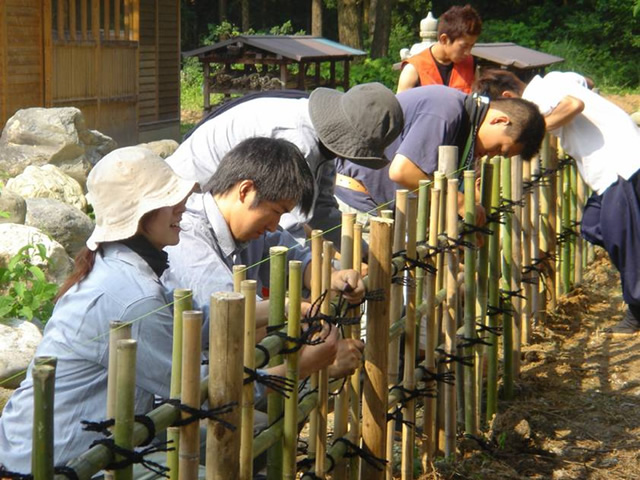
317	357
348	358
350	283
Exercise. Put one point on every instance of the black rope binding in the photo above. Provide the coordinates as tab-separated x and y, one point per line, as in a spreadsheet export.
131	457
68	472
497	331
197	414
354	450
445	377
467	342
450	358
281	385
104	426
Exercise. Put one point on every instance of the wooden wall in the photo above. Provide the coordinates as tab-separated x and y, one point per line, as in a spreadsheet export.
21	56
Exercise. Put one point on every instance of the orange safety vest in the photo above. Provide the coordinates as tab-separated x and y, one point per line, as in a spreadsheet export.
461	75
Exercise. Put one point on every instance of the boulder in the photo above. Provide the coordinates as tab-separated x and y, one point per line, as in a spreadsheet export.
65	224
14	205
163	148
19	340
48	181
57	136
13	237
636	117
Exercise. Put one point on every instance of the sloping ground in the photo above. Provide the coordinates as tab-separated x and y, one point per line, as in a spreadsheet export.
576	414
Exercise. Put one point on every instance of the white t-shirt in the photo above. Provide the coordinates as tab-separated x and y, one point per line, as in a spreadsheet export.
603	139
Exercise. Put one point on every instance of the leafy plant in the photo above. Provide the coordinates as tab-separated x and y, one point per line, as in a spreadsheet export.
25	291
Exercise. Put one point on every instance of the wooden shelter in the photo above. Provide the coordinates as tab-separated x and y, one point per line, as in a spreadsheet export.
524	62
249	63
118	61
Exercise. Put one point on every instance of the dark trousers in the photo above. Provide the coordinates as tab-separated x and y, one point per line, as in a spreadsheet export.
612	221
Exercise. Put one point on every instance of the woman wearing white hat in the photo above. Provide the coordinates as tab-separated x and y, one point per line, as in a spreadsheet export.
138	203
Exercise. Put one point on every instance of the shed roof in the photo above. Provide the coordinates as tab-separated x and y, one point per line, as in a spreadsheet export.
512	55
294	47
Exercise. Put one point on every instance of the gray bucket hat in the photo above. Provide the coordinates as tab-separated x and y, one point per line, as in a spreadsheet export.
359	124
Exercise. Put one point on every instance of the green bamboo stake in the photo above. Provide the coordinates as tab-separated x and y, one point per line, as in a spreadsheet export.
275	405
183	300
494	296
424	188
440	183
516	260
573	180
125	403
526	255
355	386
536	298
43	373
470	414
248	289
580	244
566	226
507	319
291	403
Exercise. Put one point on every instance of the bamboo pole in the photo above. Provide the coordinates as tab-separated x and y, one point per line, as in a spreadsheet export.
573	223
275	402
424	188
429	417
516	260
182	301
355	390
409	411
527	225
494	297
248	289
507	257
471	424
580	250
566	227
291	403
189	451
441	184
125	403
552	164
536	303
374	407
449	318
323	377
226	342
239	276
341	410
316	291
43	373
397	303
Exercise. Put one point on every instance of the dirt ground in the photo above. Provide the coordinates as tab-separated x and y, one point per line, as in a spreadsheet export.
574	414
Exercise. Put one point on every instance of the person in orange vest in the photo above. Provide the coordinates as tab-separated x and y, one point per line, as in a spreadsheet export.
448	61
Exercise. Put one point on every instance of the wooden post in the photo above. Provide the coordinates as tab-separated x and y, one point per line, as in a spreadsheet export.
72	20
374	407
275	402
516	260
225	382
291	403
62	16
248	289
449	318
125	404
116	19
44	379
107	19
470	414
84	21
409	411
189	452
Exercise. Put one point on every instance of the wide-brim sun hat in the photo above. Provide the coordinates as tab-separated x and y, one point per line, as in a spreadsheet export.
125	185
359	124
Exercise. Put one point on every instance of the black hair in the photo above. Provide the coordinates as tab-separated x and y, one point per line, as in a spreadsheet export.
493	82
277	168
526	125
459	21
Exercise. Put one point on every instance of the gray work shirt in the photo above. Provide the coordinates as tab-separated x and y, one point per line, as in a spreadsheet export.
198	156
204	258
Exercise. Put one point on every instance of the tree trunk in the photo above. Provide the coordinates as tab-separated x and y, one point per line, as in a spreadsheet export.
222	10
380	18
316	18
245	16
349	23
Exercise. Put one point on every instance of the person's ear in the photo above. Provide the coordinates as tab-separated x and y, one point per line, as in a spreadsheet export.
244	188
444	39
500	119
510	94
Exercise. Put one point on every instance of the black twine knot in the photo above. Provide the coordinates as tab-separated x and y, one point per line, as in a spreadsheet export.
281	385
451	358
130	457
197	414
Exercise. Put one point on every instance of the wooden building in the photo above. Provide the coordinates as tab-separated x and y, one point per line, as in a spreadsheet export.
249	63
118	61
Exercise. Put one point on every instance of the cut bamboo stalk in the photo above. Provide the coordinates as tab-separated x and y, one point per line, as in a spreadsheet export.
566	227
573	223
552	164
449	318
291	403
374	407
525	333
125	403
516	260
316	291
470	414
580	250
189	450
536	298
494	297
355	390
275	402
507	257
397	304
44	378
323	376
441	184
239	275
448	161
226	342
421	236
248	289
409	411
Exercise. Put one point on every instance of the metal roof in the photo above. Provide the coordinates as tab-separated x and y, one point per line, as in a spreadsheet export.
512	55
294	47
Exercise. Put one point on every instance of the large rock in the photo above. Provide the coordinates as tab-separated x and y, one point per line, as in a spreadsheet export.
57	136
19	340
636	117
13	237
64	223
162	148
14	205
48	181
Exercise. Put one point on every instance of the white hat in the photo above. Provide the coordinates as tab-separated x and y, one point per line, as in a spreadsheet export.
126	184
